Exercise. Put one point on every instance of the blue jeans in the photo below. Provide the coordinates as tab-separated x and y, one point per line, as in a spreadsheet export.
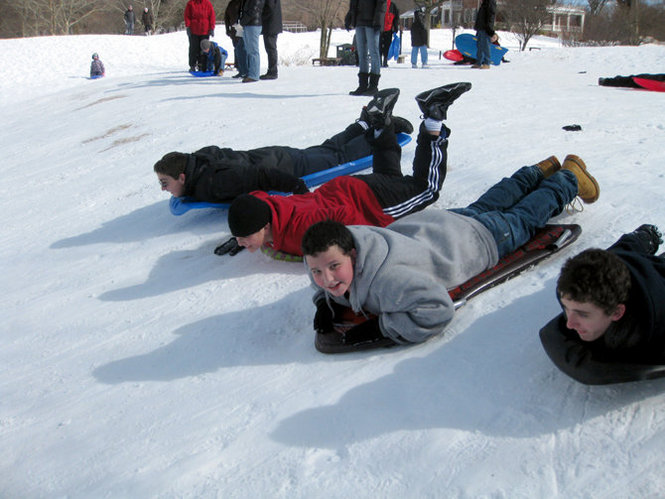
513	209
250	35
423	55
483	47
367	42
240	56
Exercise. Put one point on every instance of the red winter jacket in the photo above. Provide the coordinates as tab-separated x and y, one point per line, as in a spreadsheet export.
200	17
344	199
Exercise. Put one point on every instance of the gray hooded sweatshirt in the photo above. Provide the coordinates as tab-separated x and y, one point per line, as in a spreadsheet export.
402	273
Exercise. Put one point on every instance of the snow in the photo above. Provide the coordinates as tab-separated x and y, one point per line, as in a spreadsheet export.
136	363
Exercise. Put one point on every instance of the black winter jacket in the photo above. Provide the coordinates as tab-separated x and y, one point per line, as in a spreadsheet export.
252	12
637	338
485	17
366	13
418	31
219	175
272	17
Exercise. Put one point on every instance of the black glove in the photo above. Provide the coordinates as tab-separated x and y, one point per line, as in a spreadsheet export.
189	32
212	33
367	332
348	21
300	187
650	237
323	319
231	247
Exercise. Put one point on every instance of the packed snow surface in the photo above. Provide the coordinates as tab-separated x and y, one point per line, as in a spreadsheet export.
136	363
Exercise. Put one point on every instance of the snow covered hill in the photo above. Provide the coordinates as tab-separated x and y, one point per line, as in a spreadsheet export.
136	363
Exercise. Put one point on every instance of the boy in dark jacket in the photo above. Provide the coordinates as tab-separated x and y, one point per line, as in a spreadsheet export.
396	279
378	198
613	309
214	57
96	67
219	175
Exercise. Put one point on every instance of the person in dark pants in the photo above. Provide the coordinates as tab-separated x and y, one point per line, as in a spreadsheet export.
234	31
272	26
379	198
390	26
627	81
200	23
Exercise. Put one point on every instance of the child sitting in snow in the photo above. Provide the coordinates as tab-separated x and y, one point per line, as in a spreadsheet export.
215	57
96	67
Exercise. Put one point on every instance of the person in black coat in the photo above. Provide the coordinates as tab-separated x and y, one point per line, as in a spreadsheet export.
219	175
418	39
272	26
613	311
485	33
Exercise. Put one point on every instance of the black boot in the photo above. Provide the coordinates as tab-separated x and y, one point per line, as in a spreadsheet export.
363	83
378	113
434	103
373	84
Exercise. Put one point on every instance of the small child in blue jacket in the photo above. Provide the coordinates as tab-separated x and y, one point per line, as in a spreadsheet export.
215	57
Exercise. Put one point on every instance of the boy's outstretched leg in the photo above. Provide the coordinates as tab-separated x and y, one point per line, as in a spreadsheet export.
434	103
378	113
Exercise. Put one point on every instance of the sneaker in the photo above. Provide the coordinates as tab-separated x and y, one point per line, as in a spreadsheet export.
402	125
268	76
587	187
549	166
485	66
434	103
378	113
247	79
238	75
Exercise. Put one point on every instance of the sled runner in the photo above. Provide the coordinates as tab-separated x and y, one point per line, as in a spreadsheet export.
181	205
547	241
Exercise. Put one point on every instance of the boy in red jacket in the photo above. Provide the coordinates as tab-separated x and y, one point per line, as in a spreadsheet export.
259	219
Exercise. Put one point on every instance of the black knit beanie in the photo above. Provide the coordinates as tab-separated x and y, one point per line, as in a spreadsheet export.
247	215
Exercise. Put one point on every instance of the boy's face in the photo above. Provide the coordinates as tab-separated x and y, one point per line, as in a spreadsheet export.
254	241
332	270
589	320
176	186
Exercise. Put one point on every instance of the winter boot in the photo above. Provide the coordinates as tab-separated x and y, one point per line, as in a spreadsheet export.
378	113
434	103
549	166
402	125
363	84
373	84
587	187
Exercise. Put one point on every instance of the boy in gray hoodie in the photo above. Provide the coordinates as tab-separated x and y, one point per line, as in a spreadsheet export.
395	280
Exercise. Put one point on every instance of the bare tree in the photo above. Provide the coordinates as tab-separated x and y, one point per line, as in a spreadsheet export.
55	17
595	6
526	18
326	14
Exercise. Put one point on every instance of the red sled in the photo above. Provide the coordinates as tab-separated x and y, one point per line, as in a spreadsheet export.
453	55
654	85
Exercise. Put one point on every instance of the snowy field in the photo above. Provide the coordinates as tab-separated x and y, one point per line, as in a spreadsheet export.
136	363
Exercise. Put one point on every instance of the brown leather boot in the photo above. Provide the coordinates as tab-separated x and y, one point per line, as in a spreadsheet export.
587	187
549	166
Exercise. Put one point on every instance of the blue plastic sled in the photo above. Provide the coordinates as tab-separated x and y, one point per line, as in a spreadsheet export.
181	205
202	74
96	77
468	45
394	49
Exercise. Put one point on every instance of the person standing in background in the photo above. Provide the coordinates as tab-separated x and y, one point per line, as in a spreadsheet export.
485	32
390	26
252	22
200	23
130	17
418	39
272	26
367	17
146	19
234	31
